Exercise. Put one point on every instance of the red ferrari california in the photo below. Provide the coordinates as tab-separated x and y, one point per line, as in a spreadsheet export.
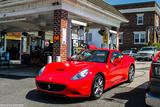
86	74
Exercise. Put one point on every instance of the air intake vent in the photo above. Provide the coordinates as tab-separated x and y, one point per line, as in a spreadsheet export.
60	69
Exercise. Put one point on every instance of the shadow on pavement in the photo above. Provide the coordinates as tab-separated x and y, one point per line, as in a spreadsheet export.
133	98
146	68
19	72
13	77
34	95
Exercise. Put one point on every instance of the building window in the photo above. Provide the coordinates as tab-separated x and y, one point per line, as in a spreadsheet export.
121	38
139	37
140	19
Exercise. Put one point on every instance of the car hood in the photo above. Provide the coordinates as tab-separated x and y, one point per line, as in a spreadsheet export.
150	52
66	70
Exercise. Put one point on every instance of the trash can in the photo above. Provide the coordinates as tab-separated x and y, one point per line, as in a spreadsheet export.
58	59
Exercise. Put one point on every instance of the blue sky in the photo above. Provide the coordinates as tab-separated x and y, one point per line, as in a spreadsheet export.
117	2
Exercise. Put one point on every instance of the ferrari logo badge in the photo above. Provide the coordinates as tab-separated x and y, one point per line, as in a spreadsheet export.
49	86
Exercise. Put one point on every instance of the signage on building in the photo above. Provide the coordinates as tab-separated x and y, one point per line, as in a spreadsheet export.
14	36
56	37
105	38
64	36
51	40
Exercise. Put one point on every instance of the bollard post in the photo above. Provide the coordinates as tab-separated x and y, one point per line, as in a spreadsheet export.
58	59
49	59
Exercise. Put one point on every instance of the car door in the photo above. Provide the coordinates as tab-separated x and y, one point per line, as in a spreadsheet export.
114	72
155	79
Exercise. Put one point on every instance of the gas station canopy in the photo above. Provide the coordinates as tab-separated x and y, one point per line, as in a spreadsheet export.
38	15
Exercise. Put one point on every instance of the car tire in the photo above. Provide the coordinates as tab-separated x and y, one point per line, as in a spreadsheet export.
131	73
97	87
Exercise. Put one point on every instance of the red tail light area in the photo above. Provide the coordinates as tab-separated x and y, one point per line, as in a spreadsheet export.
156	58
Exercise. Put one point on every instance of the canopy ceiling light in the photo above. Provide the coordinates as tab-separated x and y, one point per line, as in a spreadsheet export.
78	23
112	31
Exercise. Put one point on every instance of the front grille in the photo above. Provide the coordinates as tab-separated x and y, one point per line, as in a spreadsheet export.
143	54
51	86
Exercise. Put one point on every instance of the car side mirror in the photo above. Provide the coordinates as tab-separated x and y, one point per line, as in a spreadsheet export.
68	58
118	60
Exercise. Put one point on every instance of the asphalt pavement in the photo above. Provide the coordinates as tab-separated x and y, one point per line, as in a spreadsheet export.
17	89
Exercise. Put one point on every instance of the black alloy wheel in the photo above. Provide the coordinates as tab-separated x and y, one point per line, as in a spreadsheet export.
97	87
131	74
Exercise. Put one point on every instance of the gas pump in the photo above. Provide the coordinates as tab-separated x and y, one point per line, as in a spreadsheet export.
78	37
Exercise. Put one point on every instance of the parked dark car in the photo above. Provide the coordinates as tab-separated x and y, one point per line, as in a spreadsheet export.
153	90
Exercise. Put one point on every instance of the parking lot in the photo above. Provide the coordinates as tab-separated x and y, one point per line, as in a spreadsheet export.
17	88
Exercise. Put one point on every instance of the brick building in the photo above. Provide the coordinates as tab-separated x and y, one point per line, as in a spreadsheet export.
143	17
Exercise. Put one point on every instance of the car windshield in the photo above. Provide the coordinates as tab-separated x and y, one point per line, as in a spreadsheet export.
126	52
147	49
100	56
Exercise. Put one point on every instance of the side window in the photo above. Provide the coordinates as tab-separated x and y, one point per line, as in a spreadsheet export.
120	55
116	55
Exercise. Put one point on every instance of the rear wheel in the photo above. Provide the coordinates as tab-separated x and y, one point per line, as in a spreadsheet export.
97	87
131	74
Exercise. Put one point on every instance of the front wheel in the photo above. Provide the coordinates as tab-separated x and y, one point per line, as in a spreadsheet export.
97	87
131	74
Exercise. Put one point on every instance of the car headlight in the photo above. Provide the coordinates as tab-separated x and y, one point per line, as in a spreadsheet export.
149	54
80	75
41	71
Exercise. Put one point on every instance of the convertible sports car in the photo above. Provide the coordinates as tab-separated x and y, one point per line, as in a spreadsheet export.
86	74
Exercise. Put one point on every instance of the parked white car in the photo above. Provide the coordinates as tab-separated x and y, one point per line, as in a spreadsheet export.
146	53
131	53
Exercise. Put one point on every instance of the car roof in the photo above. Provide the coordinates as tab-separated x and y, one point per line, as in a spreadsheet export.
111	50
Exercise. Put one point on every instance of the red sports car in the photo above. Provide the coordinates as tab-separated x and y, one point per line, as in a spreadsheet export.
86	74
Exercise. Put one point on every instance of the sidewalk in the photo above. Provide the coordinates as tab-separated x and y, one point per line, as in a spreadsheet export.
20	70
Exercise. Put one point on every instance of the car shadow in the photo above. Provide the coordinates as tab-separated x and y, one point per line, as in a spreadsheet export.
133	98
34	95
145	68
47	98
